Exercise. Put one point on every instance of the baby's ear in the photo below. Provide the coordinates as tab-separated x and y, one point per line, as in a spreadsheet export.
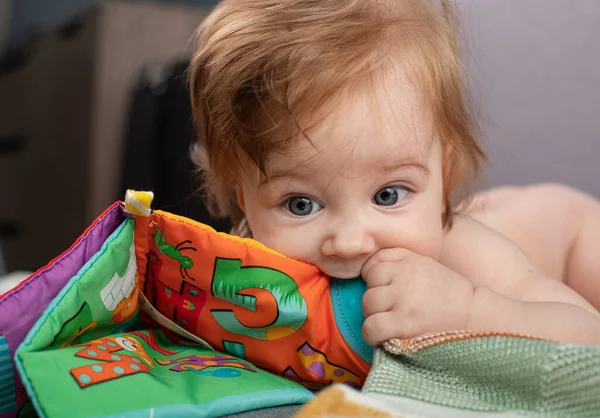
239	194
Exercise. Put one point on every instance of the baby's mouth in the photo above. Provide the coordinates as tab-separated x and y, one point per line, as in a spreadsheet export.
343	274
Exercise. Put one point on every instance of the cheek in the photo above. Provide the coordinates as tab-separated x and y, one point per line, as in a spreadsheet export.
423	234
431	228
296	242
431	241
420	230
430	222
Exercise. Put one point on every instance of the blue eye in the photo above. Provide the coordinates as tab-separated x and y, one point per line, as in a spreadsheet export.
389	196
303	206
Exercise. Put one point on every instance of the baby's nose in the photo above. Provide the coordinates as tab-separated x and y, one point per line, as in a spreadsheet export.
350	241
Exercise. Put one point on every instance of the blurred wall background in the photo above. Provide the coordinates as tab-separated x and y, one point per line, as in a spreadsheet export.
5	22
68	76
31	16
536	64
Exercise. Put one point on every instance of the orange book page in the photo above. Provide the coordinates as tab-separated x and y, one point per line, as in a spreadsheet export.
245	299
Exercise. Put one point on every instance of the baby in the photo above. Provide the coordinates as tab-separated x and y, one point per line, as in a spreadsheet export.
336	131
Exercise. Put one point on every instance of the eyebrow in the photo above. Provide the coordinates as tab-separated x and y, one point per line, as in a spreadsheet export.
408	163
277	175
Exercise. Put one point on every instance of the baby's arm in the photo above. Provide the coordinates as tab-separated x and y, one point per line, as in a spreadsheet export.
511	293
558	227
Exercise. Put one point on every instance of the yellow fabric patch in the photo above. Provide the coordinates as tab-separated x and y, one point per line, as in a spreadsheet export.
138	203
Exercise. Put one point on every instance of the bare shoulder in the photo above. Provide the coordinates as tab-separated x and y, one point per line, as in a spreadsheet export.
540	232
543	220
485	256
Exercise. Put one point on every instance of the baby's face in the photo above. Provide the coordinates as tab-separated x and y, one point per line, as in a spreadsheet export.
370	180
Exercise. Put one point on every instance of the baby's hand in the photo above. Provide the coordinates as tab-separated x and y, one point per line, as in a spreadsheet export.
410	295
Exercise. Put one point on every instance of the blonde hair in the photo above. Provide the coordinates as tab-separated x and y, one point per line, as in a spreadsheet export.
260	64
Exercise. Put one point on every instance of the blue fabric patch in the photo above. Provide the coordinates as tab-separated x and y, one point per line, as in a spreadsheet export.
227	405
235	349
7	379
346	298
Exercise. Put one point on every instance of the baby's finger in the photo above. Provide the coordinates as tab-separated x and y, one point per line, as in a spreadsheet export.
381	275
376	300
386	255
380	327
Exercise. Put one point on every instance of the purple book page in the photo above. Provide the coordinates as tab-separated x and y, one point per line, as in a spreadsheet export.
22	306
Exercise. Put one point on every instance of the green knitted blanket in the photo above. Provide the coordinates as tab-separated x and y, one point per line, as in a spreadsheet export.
491	374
